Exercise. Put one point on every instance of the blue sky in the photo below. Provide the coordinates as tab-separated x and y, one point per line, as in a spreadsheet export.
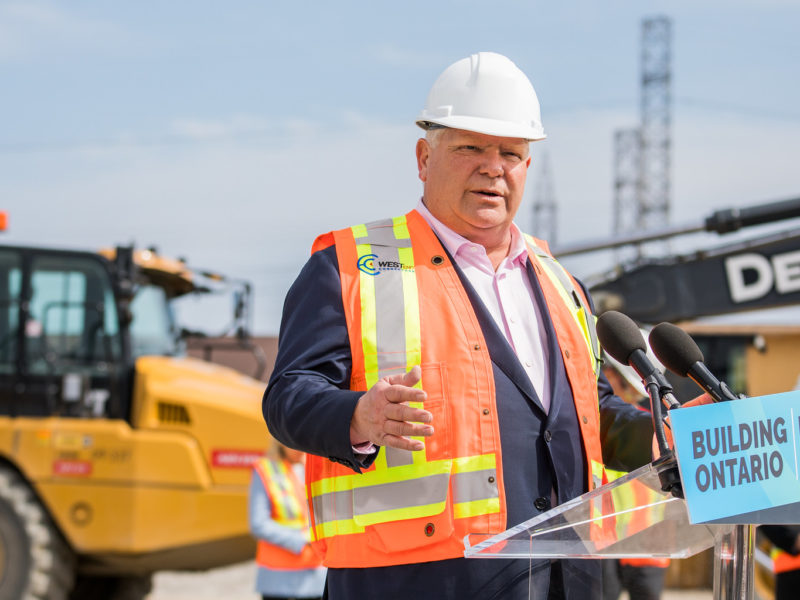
233	133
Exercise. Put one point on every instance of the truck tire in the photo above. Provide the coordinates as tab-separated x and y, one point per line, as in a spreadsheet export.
35	561
127	587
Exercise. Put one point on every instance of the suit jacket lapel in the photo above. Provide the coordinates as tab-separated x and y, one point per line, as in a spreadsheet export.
499	349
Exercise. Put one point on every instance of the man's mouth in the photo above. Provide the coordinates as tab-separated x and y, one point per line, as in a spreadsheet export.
490	193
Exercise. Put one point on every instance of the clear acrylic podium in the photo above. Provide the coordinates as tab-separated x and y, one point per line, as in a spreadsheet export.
628	518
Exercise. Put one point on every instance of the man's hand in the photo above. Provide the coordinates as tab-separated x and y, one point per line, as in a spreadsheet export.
383	417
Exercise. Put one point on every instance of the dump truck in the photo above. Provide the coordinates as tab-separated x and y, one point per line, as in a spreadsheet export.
119	455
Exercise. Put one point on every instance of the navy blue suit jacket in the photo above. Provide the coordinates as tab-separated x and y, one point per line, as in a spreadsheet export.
308	405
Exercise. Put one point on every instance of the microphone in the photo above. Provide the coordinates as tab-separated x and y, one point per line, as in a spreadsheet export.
622	339
680	354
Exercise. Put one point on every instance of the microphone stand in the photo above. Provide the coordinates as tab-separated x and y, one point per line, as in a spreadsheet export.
660	392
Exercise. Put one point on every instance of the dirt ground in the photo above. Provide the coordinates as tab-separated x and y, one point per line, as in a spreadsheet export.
236	583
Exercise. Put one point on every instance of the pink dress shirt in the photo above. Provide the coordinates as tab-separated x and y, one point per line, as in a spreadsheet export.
506	293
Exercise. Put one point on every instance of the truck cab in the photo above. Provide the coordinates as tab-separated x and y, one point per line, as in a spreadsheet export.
130	455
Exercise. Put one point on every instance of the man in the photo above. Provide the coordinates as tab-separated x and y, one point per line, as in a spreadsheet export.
441	369
288	568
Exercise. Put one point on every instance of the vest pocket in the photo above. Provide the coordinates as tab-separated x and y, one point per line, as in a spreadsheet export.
434	382
411	534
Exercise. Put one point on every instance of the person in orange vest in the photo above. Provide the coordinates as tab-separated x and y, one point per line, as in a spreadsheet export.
287	566
442	369
642	578
785	559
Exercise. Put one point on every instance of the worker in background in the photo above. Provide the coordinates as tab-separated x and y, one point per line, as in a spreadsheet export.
288	567
642	578
442	369
785	559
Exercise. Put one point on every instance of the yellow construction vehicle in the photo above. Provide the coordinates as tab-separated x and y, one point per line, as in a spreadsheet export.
119	455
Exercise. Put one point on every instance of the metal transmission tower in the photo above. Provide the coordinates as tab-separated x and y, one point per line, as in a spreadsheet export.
642	155
627	183
545	211
656	113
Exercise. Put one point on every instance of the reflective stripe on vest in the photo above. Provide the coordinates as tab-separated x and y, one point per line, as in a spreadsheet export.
288	507
573	298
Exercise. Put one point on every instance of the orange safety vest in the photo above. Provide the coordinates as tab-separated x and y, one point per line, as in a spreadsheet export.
783	562
405	305
289	508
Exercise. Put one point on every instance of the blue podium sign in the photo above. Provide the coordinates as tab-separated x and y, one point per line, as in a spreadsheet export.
740	459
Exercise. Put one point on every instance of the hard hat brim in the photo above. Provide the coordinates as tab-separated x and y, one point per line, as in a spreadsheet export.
486	126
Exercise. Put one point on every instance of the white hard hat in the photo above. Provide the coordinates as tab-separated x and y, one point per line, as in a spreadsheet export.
485	93
628	372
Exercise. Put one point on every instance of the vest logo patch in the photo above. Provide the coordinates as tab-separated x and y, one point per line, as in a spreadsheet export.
371	266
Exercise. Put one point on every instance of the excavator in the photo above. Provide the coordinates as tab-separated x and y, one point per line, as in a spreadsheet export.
759	273
120	455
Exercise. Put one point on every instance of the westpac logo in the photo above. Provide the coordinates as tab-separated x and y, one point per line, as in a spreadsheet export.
370	265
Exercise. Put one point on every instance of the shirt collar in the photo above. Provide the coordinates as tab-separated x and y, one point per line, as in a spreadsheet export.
454	242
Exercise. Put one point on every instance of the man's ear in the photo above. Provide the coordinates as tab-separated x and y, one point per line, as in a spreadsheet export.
423	153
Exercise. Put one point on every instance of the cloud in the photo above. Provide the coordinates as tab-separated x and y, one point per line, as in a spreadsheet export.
32	29
250	197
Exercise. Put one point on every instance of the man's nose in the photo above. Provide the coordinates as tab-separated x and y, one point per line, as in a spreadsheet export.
492	164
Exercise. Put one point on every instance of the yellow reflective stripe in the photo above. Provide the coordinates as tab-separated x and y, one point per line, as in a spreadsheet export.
399	514
369	478
369	321
288	510
331	528
597	472
400	228
479	462
359	231
462	510
579	313
411	309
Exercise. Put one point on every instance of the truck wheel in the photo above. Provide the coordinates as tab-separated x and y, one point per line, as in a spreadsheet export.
88	587
35	562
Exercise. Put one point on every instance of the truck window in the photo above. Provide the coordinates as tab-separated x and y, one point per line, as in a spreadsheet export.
153	330
10	288
72	317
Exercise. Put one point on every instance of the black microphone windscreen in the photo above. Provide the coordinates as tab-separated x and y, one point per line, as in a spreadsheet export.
675	348
619	335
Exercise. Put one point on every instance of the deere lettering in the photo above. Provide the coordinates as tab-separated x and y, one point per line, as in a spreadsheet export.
752	276
746	468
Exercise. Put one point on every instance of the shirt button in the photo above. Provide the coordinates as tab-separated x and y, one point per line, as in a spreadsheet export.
486	411
491	479
566	353
528	363
548	436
